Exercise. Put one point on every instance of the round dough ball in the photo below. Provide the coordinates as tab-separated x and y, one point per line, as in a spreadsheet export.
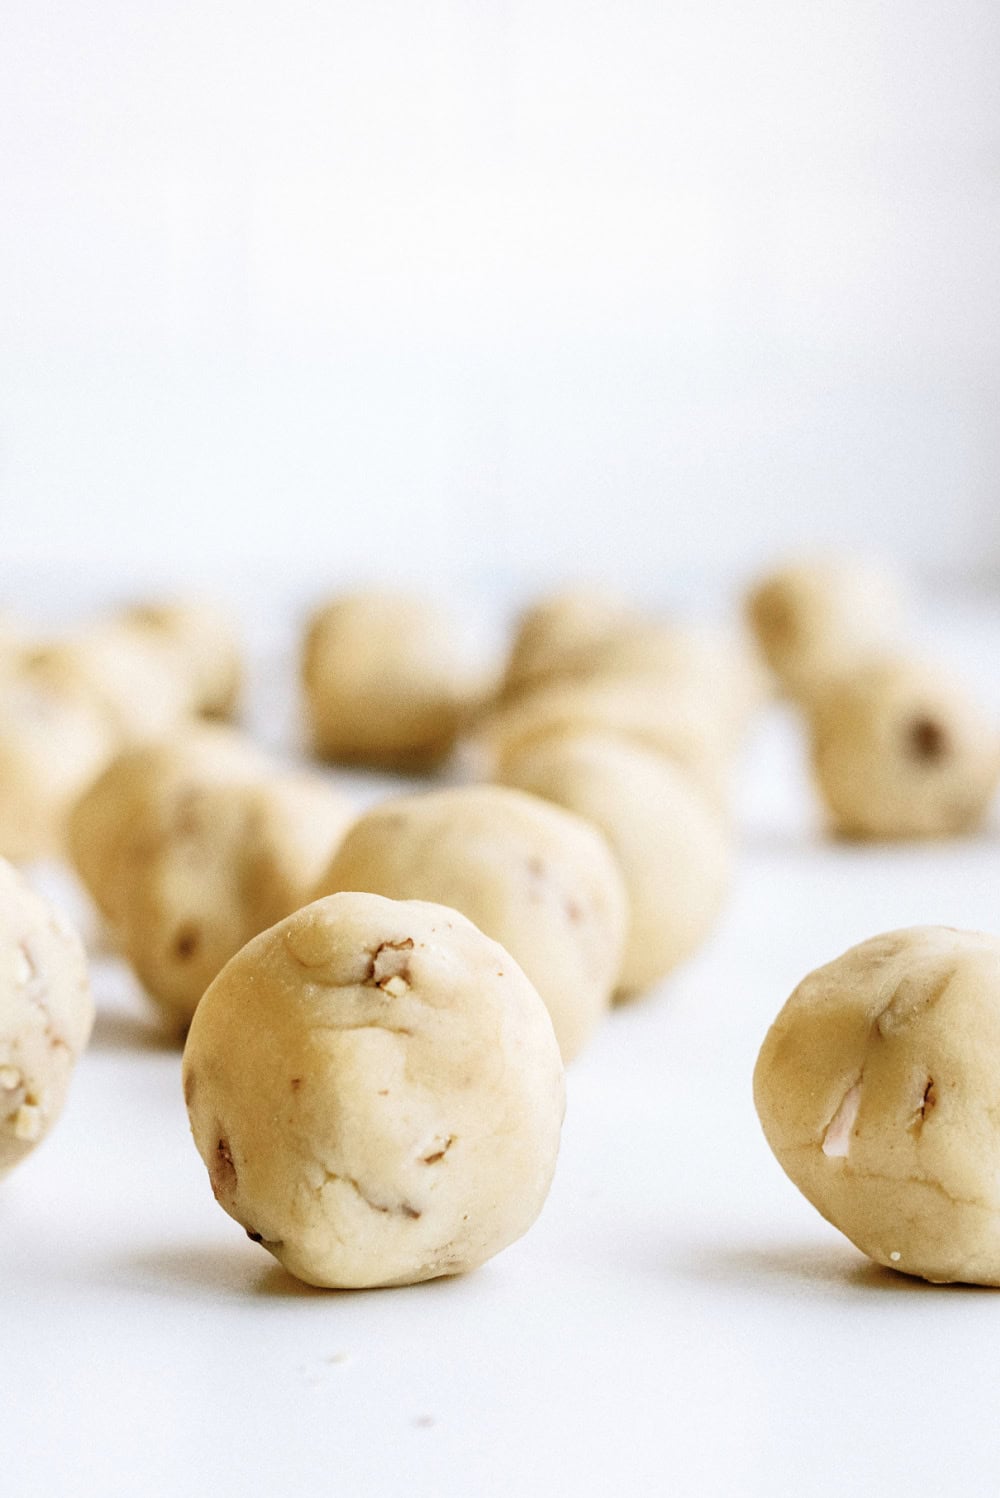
53	740
899	750
376	1091
815	620
559	629
131	675
878	1088
638	710
532	876
190	852
206	642
389	680
670	843
46	1015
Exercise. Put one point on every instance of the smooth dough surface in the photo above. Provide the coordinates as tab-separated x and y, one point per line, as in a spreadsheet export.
389	680
191	847
376	1090
561	629
878	1088
814	621
670	843
900	750
46	1014
205	640
534	877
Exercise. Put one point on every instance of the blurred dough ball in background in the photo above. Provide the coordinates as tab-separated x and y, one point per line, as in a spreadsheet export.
206	642
671	844
814	621
190	848
390	680
46	1014
899	749
560	628
534	877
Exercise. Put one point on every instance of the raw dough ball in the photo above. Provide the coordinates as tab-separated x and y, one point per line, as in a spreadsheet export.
560	629
670	843
190	850
536	879
815	620
207	647
389	680
634	709
46	1015
376	1091
878	1088
899	750
132	677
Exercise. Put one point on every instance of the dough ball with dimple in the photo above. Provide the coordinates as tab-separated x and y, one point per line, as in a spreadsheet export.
376	1090
900	750
878	1088
189	851
389	680
204	639
46	1014
561	629
670	843
539	880
815	620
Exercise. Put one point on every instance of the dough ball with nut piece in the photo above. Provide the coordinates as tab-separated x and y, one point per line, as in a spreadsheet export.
535	878
46	1014
389	680
204	639
814	621
878	1088
900	750
191	847
376	1090
670	843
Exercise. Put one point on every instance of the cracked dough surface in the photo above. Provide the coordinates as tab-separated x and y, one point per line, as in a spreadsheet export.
389	680
878	1088
192	846
46	1014
534	877
670	843
900	750
376	1090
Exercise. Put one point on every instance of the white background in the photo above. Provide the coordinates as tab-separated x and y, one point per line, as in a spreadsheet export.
645	288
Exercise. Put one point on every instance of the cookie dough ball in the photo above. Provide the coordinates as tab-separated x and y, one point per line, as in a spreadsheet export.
669	841
633	709
53	740
207	646
376	1091
389	680
878	1088
561	630
46	1015
131	676
535	878
189	854
815	620
899	750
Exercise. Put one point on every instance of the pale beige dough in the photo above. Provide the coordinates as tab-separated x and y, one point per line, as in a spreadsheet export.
376	1090
389	680
878	1088
814	621
534	877
670	843
131	675
900	750
46	1014
561	629
191	847
205	641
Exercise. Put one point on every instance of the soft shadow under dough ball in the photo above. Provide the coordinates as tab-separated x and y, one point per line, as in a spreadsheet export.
878	1088
899	750
669	841
535	878
389	680
46	1014
376	1091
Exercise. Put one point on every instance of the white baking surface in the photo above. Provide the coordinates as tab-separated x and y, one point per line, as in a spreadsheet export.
679	1321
